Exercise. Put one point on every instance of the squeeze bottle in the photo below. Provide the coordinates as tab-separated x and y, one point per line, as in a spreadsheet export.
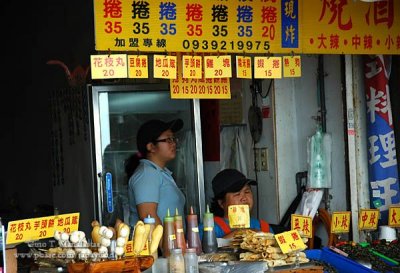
193	235
180	235
169	237
152	222
209	242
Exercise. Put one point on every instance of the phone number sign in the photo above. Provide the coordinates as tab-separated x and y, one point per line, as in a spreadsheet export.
201	26
40	228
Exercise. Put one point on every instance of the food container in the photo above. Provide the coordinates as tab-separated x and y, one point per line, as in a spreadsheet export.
130	264
339	262
387	233
233	267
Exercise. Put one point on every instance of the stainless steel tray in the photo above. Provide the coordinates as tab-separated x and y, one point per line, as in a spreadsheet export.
233	267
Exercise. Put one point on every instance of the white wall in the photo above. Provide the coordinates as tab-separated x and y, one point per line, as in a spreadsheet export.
294	106
295	102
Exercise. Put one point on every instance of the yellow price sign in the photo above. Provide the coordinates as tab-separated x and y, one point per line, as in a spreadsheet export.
184	88
394	216
368	219
109	66
290	241
267	67
40	228
243	67
138	67
340	222
239	216
129	249
192	67
165	67
218	66
302	223
291	66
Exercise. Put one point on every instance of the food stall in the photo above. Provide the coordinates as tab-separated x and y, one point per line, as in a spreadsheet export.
259	61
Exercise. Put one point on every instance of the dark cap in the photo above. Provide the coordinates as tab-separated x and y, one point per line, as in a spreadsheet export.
152	129
229	180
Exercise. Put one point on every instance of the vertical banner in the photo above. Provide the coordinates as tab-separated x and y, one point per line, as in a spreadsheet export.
382	160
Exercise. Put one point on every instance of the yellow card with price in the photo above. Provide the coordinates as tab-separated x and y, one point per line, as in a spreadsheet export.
290	241
40	228
239	216
218	66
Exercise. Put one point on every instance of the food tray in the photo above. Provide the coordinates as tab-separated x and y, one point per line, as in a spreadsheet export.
233	267
131	265
339	262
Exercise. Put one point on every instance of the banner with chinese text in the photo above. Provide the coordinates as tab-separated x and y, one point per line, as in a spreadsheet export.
40	228
235	26
382	160
200	26
350	27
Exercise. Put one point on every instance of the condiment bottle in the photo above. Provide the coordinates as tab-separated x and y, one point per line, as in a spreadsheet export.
169	237
209	242
180	235
193	236
176	261
152	222
191	261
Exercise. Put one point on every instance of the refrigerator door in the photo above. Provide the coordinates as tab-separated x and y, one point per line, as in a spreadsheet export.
117	112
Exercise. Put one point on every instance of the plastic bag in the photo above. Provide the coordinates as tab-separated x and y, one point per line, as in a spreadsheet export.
319	148
310	202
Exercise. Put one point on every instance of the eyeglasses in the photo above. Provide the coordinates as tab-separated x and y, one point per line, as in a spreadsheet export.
169	140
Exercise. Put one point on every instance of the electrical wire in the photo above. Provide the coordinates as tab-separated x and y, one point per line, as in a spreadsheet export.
259	91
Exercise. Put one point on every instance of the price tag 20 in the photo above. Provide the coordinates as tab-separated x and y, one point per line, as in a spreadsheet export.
218	66
165	67
138	66
40	228
192	67
290	241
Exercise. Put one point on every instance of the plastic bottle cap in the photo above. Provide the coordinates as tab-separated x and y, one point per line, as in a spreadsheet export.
208	214
176	250
168	217
191	250
177	216
149	220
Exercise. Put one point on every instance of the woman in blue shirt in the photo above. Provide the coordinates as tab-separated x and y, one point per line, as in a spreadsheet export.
152	189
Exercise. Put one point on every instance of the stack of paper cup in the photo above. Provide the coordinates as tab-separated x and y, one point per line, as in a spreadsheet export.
387	233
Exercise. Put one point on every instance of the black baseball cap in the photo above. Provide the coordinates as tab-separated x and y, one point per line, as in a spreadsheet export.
229	180
152	129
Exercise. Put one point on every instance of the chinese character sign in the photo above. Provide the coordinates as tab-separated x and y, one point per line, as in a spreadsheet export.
40	228
303	224
197	88
201	26
239	216
382	160
290	241
351	27
340	222
394	216
109	66
368	219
